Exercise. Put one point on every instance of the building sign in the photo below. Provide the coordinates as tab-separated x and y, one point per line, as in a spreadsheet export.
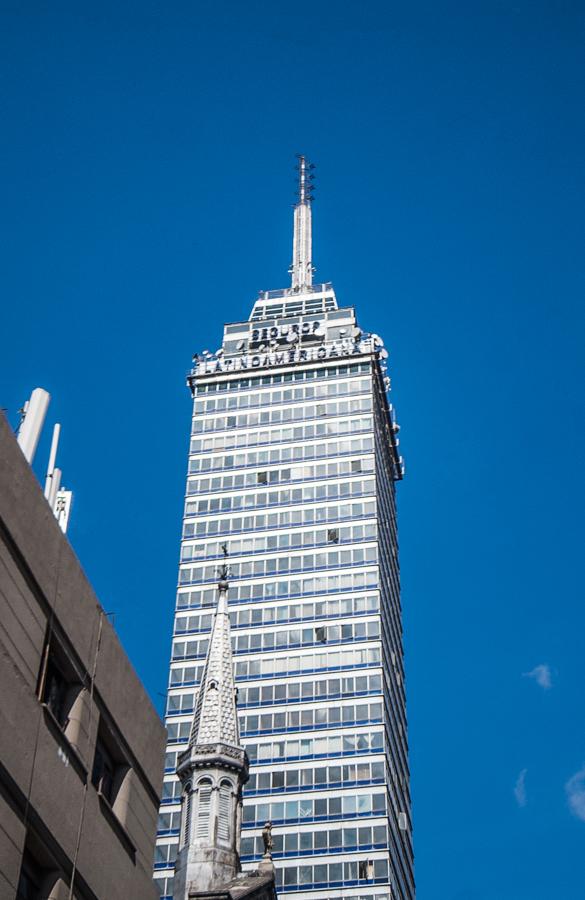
331	350
290	333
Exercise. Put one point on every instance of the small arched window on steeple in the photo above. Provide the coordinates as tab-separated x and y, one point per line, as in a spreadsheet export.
203	808
225	812
187	795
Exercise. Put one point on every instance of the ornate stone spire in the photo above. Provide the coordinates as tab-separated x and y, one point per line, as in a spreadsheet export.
212	770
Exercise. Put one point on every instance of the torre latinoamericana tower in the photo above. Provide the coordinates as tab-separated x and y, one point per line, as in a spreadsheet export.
293	464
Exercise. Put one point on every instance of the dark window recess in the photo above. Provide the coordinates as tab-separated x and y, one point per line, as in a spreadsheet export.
231	421
321	634
366	869
55	692
31	879
333	535
103	773
59	682
356	466
262	477
110	766
38	872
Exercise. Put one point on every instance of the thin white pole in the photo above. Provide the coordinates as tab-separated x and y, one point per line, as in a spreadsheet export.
52	458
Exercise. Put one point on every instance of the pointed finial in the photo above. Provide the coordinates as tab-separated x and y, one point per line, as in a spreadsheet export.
223	571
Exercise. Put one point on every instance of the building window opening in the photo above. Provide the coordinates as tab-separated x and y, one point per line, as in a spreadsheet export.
110	767
204	809
55	692
366	870
38	872
223	825
31	879
103	772
59	683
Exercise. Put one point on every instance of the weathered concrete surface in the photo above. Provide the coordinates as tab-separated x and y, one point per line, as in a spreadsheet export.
46	794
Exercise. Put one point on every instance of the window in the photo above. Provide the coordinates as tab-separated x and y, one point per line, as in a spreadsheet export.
262	477
32	877
39	874
59	684
103	772
204	808
366	869
187	819
224	817
110	768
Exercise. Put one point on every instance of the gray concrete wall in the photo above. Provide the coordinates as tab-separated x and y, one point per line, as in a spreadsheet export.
45	770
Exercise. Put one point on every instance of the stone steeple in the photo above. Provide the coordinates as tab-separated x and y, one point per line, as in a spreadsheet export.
213	769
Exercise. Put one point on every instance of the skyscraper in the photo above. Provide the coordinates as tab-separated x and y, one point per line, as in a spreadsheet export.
292	468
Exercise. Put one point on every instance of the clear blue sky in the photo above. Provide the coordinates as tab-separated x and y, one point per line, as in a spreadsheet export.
147	182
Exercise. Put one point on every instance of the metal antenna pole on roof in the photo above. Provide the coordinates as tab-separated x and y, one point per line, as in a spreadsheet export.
302	266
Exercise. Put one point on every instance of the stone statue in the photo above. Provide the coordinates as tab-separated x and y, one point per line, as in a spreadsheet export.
267	838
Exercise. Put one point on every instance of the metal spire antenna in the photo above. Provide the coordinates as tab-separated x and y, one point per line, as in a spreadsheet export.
302	266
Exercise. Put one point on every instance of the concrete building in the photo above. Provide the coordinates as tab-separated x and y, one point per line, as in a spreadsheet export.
293	464
80	742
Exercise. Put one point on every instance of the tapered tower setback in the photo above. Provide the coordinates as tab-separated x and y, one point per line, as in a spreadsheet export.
293	464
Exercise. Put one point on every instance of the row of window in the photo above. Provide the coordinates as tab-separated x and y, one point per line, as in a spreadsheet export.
297	453
293	637
282	519
307	691
337	469
311	809
355	406
321	747
290	612
312	431
310	719
306	494
269	543
332	875
298	587
283	565
285	395
310	779
243	384
337	840
249	669
280	640
289	692
349	775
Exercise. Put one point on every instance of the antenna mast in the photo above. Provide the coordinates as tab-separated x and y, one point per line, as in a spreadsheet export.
302	266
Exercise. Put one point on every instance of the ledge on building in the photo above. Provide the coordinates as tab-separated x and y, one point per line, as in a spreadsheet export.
117	826
69	751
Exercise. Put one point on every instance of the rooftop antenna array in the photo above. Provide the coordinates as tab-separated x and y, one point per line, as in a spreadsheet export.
29	432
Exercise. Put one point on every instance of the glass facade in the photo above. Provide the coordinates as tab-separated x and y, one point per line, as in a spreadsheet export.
293	463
